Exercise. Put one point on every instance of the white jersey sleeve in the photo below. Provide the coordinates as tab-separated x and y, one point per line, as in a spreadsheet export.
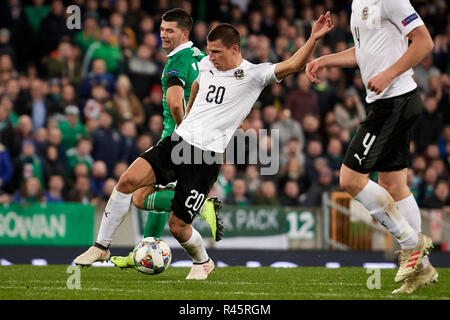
265	73
402	14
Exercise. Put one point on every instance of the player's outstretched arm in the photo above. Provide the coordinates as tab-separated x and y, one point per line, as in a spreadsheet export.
194	91
341	59
297	62
421	45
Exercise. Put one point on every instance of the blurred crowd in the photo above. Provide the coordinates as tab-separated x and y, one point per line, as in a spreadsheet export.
77	106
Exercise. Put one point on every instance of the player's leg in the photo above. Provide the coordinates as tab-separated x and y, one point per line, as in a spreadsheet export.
194	184
144	198
380	204
382	144
159	201
192	243
396	184
140	173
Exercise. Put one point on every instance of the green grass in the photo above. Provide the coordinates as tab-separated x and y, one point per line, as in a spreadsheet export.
230	283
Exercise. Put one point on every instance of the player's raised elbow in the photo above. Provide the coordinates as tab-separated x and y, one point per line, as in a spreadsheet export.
429	45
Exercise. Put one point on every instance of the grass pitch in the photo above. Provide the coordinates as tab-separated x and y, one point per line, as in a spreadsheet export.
25	282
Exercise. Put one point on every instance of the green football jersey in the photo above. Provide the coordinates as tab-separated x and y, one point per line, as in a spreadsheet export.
183	65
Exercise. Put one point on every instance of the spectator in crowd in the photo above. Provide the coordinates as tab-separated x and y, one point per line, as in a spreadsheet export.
98	75
64	64
107	50
225	180
144	142
30	192
7	133
324	183
303	100
68	97
288	128
311	126
106	142
80	154
440	198
143	71
54	192
28	164
252	177
351	112
6	167
72	129
428	127
314	151
98	177
108	187
90	32
153	103
125	103
290	197
238	195
51	164
293	149
39	107
81	191
426	188
53	28
128	150
423	71
266	194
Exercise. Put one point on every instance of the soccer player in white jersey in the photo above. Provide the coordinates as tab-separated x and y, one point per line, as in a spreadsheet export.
381	30
221	97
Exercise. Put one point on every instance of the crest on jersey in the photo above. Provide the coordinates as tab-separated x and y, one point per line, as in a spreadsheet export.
365	13
239	74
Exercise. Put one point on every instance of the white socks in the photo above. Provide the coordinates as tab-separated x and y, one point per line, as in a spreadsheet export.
115	212
194	247
382	207
410	211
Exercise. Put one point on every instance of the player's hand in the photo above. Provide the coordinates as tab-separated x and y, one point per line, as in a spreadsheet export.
380	82
313	69
322	26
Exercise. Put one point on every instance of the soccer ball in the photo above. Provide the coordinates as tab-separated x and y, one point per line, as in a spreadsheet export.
152	255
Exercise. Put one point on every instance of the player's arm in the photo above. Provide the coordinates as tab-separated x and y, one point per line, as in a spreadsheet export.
174	99
341	59
297	62
194	91
421	45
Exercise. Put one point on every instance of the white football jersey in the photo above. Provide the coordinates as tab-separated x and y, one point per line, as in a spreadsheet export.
380	29
223	101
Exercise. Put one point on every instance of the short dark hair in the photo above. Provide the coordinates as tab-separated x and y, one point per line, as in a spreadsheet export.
227	33
180	16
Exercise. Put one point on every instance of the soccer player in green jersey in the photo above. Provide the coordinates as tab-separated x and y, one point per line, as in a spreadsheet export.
177	77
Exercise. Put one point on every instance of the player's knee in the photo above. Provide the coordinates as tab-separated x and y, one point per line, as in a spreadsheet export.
346	183
394	188
127	183
352	183
138	201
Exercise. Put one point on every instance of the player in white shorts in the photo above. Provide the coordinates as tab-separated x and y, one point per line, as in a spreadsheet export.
222	96
381	30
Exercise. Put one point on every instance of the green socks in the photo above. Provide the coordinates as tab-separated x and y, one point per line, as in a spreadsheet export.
158	204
